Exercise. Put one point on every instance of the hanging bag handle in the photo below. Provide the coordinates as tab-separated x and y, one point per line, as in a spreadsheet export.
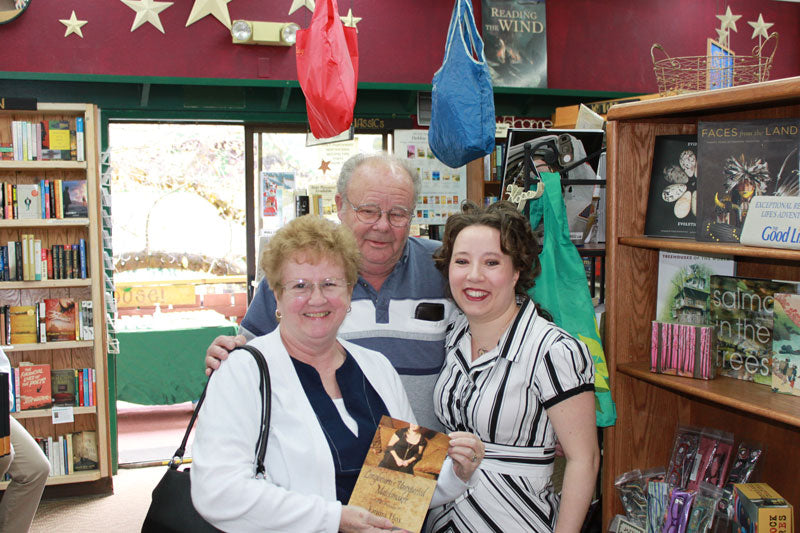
471	29
265	388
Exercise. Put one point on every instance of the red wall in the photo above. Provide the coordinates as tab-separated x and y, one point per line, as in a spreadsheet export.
601	45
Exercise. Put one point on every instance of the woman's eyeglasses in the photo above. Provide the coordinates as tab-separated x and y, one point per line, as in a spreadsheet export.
302	288
398	217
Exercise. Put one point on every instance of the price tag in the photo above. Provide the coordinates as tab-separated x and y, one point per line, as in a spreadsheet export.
63	414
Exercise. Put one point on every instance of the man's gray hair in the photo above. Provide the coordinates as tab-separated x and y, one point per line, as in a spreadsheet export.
389	160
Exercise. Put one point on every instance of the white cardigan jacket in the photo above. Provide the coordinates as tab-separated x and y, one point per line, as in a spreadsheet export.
299	493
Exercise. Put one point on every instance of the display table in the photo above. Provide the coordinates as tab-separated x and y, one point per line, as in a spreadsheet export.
164	366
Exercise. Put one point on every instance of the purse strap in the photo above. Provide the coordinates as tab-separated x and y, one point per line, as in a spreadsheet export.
264	387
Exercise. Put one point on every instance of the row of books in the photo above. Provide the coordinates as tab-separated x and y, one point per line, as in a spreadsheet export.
51	320
701	186
44	200
756	321
493	164
26	260
70	453
36	386
46	140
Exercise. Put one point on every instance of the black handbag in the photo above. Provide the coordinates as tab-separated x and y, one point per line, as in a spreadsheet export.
171	509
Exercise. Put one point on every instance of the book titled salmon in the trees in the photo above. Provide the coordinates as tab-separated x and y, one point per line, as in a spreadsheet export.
399	474
738	160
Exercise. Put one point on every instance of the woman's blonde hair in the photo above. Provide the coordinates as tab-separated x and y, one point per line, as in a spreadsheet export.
314	237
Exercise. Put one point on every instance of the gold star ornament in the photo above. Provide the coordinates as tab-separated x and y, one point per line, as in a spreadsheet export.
729	20
760	27
218	8
350	20
73	25
297	4
325	166
147	11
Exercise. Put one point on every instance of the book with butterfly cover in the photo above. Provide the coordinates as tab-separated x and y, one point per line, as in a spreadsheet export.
671	203
737	161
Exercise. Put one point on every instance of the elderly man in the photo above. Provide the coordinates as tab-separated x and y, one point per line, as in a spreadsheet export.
398	307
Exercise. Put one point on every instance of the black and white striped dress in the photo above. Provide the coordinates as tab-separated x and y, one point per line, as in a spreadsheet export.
502	397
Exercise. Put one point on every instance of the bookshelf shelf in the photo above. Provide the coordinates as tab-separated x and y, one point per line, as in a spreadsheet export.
56	345
43	165
44	223
48	413
79	477
46	284
650	406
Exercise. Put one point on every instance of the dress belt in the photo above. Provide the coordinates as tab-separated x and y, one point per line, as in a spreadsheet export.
532	461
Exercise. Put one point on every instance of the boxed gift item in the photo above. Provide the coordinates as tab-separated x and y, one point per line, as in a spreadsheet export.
758	508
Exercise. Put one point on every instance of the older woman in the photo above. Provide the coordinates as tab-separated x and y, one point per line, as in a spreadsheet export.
328	396
513	378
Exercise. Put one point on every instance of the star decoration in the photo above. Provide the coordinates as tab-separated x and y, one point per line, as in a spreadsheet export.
218	8
297	4
325	166
147	11
729	20
73	25
723	37
350	20
760	27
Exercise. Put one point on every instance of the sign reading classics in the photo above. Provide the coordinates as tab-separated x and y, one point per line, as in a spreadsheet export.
515	41
773	221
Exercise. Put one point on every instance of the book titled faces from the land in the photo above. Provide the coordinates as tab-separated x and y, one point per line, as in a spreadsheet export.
786	344
515	42
672	201
684	285
399	474
738	161
741	311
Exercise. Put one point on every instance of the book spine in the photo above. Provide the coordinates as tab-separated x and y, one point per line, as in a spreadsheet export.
80	388
9	202
18	253
59	200
51	195
70	460
50	455
84	270
42	322
80	139
41	198
50	273
3	255
17	398
46	199
86	387
14	206
12	261
75	398
74	262
94	386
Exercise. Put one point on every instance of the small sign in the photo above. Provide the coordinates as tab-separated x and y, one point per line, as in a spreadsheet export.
128	296
501	129
63	414
773	221
18	103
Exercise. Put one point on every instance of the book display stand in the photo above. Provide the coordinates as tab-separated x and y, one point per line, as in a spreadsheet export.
81	166
650	406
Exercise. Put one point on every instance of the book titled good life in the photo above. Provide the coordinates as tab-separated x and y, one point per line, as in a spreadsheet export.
399	474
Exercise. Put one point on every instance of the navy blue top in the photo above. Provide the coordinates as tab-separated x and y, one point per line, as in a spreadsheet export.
362	403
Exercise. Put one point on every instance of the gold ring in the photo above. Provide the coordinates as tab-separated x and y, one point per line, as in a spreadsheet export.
474	457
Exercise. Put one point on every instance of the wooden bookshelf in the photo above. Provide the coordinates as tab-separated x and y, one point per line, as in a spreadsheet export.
650	406
66	354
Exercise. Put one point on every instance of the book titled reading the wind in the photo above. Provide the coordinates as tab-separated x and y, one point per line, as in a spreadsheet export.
742	314
737	161
786	344
399	474
671	204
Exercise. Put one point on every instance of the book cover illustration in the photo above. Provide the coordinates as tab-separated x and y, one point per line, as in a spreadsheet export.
74	198
60	319
34	386
63	386
684	286
786	344
23	324
399	474
672	201
29	201
742	315
515	42
84	450
737	161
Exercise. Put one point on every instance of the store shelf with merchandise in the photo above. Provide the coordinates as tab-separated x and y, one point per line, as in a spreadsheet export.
650	406
48	230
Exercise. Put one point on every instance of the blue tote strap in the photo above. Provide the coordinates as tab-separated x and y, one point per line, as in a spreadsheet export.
468	19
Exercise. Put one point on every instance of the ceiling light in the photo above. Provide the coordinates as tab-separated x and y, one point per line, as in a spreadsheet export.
271	33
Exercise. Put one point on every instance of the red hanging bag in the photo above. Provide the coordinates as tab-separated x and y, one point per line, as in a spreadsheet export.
327	69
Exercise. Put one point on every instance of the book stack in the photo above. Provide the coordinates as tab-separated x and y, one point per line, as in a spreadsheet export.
44	200
51	320
27	260
76	387
71	452
47	140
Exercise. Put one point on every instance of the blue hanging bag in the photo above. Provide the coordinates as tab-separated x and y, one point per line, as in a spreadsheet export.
462	111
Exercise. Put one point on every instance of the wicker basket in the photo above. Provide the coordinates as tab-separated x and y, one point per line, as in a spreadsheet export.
676	75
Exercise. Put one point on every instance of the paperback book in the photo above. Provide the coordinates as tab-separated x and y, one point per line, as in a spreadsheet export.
63	383
23	324
399	474
684	286
60	319
84	450
738	161
786	344
34	386
73	195
672	201
742	314
29	201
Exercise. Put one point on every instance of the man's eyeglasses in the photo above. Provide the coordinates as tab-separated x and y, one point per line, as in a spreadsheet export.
302	288
398	217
